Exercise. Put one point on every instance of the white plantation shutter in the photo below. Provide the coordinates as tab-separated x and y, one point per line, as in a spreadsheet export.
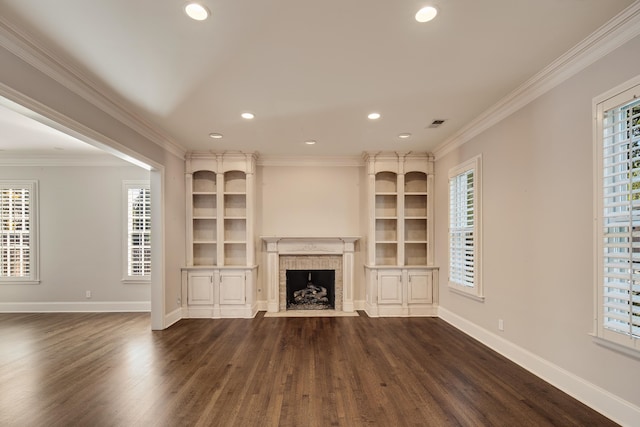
461	229
17	231
138	230
619	292
464	216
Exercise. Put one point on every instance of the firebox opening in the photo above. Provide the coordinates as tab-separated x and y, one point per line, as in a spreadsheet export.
311	289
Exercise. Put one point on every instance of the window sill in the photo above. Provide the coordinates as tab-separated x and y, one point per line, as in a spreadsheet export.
19	282
618	348
479	298
136	281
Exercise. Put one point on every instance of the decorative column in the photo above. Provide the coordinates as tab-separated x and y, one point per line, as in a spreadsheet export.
348	260
273	274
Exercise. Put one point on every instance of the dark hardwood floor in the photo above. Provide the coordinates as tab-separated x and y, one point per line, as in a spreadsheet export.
112	370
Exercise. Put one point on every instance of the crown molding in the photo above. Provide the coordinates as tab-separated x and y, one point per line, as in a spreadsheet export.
61	160
619	30
307	161
32	51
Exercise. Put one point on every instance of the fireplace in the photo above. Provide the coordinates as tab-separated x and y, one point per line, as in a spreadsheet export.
310	254
310	263
310	289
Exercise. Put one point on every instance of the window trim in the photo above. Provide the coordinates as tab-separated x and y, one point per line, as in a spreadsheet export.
34	235
476	291
126	185
618	96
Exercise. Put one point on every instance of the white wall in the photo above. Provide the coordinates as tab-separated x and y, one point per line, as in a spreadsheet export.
537	188
81	238
311	201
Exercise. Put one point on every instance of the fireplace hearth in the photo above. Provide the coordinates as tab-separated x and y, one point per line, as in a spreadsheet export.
310	289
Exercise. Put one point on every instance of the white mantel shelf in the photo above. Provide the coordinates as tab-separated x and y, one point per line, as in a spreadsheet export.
301	245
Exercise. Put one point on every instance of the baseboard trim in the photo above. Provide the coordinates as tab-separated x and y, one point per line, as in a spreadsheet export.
173	317
79	307
597	398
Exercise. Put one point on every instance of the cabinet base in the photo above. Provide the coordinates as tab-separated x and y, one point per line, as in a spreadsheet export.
212	312
379	310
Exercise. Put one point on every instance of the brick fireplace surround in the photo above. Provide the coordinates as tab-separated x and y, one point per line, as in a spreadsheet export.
310	253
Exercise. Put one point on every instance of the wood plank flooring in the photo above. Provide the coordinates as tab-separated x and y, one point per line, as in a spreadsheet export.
91	369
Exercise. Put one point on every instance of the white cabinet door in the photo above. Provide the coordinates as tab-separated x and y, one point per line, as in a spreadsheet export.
420	287
390	287
232	287
200	291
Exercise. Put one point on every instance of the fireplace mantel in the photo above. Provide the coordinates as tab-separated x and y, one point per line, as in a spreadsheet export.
309	246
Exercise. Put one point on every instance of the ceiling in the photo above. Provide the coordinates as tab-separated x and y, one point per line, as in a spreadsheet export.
308	70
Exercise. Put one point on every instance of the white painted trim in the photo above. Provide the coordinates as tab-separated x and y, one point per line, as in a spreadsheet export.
173	317
359	305
158	245
599	399
71	307
621	88
619	30
306	161
32	51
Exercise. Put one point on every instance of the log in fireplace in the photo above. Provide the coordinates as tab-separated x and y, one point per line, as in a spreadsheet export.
310	289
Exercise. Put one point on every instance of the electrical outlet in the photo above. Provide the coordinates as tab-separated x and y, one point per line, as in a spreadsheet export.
87	294
500	325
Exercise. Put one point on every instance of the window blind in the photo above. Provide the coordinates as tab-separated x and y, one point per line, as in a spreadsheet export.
138	232
15	231
621	219
462	229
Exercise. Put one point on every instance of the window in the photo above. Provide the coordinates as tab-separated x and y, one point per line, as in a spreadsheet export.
618	218
138	231
18	231
464	228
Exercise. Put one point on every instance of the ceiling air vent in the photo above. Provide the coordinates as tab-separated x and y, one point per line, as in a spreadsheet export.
436	123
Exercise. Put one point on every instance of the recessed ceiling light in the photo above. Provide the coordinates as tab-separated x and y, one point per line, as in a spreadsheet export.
374	116
215	135
196	11
404	135
426	14
247	116
310	142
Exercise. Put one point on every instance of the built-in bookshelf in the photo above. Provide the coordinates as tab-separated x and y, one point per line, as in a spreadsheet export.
400	275
219	278
219	211
401	218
